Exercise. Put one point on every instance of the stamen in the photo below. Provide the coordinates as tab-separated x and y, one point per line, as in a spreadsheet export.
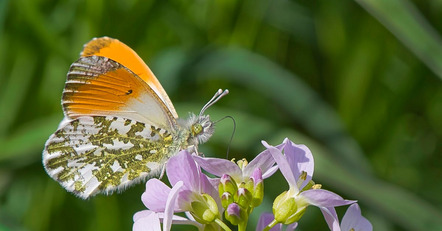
242	163
317	186
301	179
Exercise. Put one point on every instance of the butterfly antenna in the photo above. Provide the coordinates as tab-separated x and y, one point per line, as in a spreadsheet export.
233	133
218	95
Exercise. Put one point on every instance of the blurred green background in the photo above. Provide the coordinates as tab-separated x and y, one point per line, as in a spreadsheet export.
359	82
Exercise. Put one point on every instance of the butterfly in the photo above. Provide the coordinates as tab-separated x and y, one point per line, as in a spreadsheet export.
119	125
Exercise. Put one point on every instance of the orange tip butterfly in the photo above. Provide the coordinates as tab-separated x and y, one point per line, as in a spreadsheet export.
120	127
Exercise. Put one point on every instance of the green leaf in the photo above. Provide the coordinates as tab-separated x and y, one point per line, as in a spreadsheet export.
28	140
405	21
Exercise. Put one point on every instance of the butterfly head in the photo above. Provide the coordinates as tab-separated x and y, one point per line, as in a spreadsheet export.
200	126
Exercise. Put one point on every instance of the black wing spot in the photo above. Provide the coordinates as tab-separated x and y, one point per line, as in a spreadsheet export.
129	92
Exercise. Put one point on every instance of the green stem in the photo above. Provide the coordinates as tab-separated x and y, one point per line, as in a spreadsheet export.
242	226
222	224
268	227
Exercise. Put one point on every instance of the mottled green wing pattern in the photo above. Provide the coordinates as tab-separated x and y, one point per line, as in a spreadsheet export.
94	154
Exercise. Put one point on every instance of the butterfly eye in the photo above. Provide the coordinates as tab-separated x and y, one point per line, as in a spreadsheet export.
197	129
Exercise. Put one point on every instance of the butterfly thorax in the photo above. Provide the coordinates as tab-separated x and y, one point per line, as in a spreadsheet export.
200	128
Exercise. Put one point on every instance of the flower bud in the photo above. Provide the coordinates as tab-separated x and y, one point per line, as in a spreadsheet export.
258	190
204	211
227	184
243	197
235	214
258	195
249	185
256	176
226	199
284	207
288	210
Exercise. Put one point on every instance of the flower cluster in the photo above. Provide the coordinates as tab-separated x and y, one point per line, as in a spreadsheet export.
236	189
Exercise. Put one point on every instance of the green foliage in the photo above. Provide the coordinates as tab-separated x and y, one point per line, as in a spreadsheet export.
359	82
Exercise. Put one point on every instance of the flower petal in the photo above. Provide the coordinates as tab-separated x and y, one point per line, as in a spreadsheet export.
283	166
214	182
210	186
264	161
182	167
155	196
145	221
354	219
264	220
270	172
170	205
324	198
179	220
218	167
331	218
300	158
141	214
185	198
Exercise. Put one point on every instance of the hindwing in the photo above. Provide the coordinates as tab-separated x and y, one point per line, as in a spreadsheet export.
93	154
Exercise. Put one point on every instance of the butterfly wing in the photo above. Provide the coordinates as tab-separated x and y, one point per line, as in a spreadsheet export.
121	53
99	86
119	124
89	155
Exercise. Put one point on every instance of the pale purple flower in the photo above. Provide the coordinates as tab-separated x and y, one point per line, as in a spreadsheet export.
146	221
189	183
352	220
241	185
296	165
218	167
150	220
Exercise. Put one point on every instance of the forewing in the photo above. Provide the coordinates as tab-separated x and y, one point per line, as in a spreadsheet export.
99	86
121	53
90	155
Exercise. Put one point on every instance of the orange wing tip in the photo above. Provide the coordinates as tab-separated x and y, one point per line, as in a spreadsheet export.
123	54
94	46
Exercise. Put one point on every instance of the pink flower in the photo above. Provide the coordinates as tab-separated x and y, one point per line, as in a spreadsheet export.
296	165
192	192
150	220
242	171
352	220
241	186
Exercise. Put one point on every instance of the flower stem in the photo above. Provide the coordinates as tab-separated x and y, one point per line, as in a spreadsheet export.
242	226
222	224
268	227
